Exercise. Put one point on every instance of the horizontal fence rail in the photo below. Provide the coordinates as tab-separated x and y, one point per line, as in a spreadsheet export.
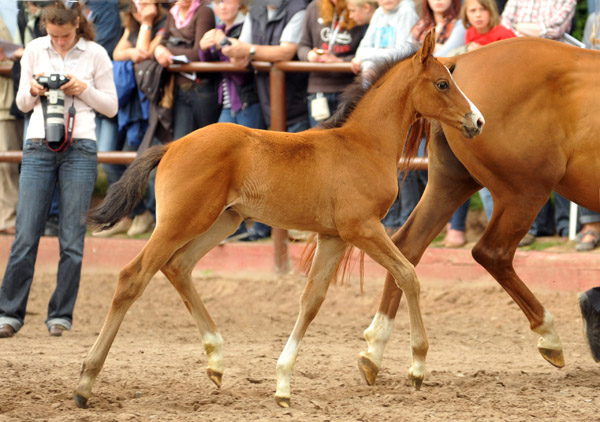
277	73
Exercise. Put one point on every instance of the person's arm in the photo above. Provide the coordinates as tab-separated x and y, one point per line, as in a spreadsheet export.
286	50
306	43
28	93
555	23
508	18
102	96
455	40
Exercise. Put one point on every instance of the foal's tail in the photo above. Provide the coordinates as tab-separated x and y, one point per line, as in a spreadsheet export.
342	272
123	195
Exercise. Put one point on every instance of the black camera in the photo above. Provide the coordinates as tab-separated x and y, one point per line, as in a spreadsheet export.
54	107
225	42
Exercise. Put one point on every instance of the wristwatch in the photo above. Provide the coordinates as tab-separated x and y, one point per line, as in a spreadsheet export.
252	50
147	27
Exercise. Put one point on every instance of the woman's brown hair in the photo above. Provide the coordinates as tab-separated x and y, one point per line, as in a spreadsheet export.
59	14
451	13
327	9
489	5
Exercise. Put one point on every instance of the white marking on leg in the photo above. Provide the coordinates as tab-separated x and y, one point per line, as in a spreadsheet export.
377	336
285	367
548	336
213	345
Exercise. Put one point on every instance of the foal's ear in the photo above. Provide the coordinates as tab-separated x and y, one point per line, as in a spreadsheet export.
428	46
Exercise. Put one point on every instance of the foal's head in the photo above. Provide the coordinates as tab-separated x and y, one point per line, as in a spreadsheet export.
436	96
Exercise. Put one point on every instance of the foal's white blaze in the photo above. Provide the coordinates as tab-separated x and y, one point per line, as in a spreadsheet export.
377	336
475	113
213	346
285	367
548	336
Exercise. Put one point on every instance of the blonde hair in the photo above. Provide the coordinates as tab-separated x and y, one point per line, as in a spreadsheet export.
489	5
371	3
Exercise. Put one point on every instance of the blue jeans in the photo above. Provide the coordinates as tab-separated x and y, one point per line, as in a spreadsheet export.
194	107
107	136
250	116
552	219
588	216
332	102
487	201
74	171
459	218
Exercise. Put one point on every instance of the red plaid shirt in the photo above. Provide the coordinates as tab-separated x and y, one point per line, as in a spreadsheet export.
553	17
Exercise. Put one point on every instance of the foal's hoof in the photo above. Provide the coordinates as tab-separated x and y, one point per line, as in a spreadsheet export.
282	401
80	401
368	370
215	376
417	380
554	356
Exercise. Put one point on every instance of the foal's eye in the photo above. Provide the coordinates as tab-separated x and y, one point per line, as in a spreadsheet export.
442	85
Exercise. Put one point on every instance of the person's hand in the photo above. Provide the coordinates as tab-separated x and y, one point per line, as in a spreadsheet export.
237	49
355	64
241	62
328	57
35	89
18	54
472	46
219	35
313	56
74	87
163	56
147	12
137	55
208	40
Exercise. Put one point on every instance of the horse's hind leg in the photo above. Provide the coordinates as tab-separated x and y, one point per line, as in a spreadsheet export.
133	279
179	272
495	252
330	251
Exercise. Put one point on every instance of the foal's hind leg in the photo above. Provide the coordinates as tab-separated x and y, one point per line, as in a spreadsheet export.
495	252
133	279
372	239
179	272
330	251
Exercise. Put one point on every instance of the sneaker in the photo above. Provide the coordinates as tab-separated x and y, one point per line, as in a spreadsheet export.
121	227
527	240
591	325
142	223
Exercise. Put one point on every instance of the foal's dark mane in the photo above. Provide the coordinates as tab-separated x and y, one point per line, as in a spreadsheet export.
356	91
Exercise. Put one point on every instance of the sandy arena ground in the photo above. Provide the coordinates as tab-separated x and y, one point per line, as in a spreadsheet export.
483	364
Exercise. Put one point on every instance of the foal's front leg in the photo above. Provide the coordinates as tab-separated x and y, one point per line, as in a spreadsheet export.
374	242
330	251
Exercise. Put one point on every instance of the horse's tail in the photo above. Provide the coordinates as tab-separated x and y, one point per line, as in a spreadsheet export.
124	194
308	253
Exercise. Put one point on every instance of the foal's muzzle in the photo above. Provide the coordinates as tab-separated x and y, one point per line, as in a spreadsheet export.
473	124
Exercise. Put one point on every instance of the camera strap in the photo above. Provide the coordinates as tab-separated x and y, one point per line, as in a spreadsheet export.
66	143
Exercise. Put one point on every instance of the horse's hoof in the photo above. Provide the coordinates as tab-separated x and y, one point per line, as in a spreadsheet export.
215	377
80	401
282	401
554	356
368	370
417	382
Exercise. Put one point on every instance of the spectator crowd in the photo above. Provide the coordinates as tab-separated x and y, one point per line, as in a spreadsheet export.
109	60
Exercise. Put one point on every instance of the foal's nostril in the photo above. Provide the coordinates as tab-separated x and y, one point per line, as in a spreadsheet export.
479	123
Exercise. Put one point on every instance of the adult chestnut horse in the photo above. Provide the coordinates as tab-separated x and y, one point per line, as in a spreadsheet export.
338	183
541	101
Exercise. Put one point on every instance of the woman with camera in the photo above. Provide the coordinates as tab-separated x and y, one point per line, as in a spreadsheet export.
75	71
